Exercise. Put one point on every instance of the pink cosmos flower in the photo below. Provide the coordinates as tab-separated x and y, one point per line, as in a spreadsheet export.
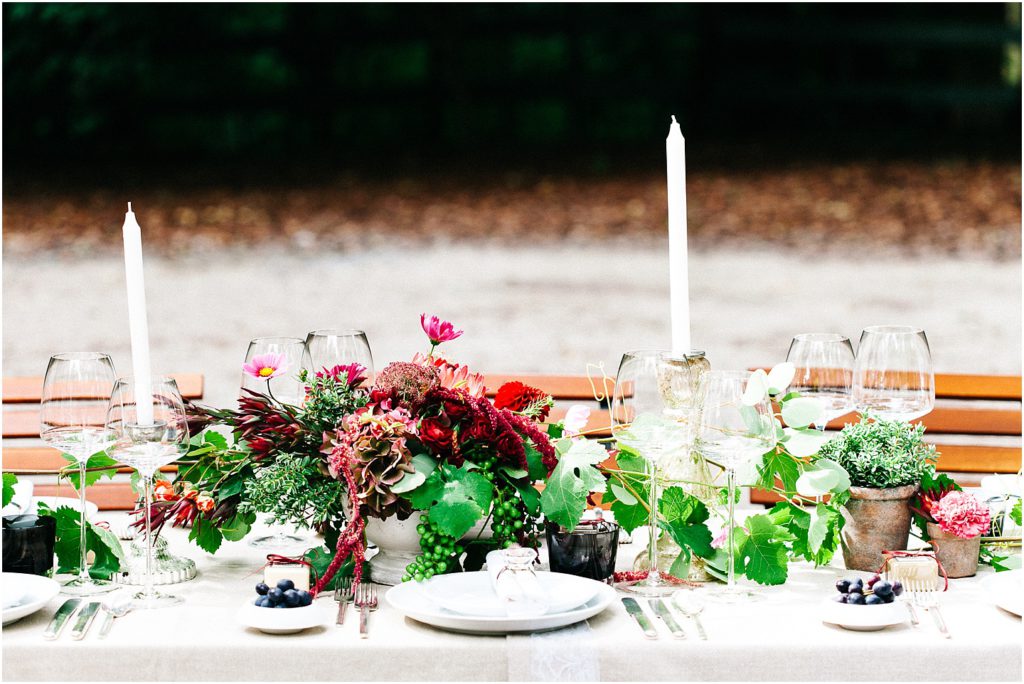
575	419
438	331
352	374
266	366
961	514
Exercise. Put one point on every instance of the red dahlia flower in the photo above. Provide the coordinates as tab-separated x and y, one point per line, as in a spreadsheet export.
521	398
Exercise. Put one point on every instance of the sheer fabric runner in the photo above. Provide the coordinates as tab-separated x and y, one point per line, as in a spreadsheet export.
562	655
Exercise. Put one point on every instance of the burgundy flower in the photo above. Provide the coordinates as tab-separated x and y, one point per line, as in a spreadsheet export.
436	434
521	398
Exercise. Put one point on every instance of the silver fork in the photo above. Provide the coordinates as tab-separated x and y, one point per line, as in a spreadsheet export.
366	599
343	595
925	596
908	600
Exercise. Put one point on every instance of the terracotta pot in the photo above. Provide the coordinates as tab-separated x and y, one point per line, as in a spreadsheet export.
959	557
876	520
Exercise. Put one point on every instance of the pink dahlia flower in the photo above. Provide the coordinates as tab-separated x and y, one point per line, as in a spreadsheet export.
961	514
439	331
266	366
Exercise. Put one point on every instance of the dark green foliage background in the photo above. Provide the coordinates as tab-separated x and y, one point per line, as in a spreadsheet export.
350	82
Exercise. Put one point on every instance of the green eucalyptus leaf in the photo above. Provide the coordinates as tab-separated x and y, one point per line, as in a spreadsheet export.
622	494
843	482
803	411
779	377
409	482
801	442
816	482
756	389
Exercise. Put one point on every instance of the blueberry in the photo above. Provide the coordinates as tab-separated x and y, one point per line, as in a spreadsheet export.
839	598
275	595
843	586
258	601
265	602
888	598
280	605
882	588
857	585
305	598
262	589
897	588
873	600
856	599
291	598
285	585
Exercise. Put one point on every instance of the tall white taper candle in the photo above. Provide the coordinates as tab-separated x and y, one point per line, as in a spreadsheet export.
679	286
137	317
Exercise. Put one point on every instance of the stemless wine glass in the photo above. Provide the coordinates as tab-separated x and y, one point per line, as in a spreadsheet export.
272	367
653	415
72	418
146	447
329	348
823	365
735	429
893	377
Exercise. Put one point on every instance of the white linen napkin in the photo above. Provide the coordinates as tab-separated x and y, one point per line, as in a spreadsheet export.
520	591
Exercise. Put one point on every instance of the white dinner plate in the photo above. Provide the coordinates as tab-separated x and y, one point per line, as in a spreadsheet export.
407	598
282	620
24	594
863	618
472	593
1006	590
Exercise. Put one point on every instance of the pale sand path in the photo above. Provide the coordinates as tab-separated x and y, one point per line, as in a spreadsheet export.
527	310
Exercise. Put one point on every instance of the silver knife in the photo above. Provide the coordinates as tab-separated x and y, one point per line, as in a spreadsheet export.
634	609
60	618
662	611
85	618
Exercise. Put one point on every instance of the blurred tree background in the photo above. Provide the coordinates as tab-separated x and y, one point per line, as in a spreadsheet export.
419	85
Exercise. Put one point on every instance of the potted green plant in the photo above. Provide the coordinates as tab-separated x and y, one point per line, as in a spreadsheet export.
885	460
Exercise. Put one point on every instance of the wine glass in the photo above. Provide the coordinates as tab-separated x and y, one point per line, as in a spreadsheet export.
146	446
893	377
653	415
72	418
282	356
280	381
328	348
823	365
736	428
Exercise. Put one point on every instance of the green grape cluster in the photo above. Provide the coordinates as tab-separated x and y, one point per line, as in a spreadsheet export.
439	551
510	521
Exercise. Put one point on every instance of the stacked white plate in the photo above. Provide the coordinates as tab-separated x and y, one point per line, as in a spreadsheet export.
25	594
1006	590
466	602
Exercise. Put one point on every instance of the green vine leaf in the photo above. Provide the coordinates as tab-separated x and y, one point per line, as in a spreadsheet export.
778	463
206	535
455	497
1015	512
238	526
107	552
762	550
630	517
8	492
97	460
573	479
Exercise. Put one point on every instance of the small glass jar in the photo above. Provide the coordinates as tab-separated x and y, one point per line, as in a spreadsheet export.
589	550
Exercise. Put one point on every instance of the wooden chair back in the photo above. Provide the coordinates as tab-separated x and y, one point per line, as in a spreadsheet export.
25	454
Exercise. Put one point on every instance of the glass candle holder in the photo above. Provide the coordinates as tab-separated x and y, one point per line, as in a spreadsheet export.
589	550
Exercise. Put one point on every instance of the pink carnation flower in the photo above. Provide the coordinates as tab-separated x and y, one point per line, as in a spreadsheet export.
439	331
961	514
266	366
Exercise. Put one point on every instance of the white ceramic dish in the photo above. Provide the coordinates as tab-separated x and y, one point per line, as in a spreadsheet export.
471	593
26	594
282	620
862	618
411	601
1006	590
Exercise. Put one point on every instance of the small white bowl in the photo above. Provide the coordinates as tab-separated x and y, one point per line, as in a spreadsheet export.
863	618
282	620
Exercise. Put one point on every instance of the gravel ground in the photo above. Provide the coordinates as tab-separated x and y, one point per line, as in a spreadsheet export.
552	308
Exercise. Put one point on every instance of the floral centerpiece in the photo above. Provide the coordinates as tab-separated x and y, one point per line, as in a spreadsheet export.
423	439
954	522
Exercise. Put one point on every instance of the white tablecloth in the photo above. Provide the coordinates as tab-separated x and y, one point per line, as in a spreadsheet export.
778	638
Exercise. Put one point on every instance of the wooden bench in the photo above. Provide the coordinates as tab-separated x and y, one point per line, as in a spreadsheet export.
25	454
976	423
